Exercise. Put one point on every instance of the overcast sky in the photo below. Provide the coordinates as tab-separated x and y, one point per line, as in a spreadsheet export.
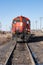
32	9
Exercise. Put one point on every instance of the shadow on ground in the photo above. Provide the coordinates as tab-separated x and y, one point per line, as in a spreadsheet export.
36	39
32	39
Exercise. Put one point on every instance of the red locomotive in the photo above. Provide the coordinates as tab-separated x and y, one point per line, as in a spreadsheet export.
21	27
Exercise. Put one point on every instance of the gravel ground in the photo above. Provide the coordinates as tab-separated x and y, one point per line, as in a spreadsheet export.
37	50
5	38
5	51
36	46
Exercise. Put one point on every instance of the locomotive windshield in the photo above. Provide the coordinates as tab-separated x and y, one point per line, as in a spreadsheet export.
17	20
14	21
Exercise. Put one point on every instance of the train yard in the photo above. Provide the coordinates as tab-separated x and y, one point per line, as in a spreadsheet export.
22	53
21	32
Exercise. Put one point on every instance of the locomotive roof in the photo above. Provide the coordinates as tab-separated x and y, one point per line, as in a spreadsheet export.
21	17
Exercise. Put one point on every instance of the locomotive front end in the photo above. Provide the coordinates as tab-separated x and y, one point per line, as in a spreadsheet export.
21	27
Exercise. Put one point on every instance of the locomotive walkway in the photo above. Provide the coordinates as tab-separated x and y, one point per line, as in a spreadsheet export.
5	52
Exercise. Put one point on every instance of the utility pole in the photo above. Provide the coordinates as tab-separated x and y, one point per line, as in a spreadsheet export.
40	21
32	24
36	25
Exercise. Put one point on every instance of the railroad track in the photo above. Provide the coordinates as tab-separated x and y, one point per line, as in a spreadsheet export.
16	54
21	55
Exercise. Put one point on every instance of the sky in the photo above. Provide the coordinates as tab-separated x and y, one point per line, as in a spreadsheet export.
9	9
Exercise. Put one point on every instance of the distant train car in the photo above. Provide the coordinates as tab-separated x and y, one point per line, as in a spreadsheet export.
21	27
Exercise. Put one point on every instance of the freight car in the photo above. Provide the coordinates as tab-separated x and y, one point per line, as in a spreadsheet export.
21	27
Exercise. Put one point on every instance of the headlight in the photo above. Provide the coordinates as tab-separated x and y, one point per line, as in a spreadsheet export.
27	22
15	22
21	24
